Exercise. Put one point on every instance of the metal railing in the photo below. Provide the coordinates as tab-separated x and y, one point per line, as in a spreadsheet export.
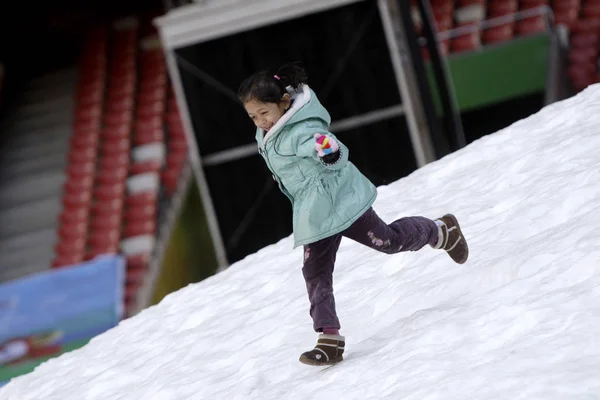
495	22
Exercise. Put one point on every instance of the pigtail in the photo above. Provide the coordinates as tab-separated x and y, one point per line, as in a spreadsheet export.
268	87
292	74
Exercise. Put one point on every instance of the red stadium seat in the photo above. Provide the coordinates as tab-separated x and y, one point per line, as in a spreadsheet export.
531	25
115	147
586	26
80	156
67	260
107	221
112	177
583	55
466	42
107	208
145	166
84	142
566	17
109	192
141	213
582	40
591	11
500	8
148	136
118	131
142	199
72	246
142	227
73	230
526	4
74	214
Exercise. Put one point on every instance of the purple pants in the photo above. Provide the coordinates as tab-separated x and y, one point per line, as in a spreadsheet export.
405	234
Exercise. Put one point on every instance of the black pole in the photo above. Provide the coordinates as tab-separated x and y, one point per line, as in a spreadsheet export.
440	144
452	119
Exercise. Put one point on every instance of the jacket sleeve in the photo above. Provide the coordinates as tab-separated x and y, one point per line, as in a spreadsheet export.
305	147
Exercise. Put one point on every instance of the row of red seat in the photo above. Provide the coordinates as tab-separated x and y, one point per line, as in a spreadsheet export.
582	17
128	145
74	221
115	143
584	44
148	159
451	14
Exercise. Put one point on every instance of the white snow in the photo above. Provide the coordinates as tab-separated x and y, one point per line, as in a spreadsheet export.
519	320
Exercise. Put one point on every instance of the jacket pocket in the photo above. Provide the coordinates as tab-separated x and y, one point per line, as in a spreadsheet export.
326	192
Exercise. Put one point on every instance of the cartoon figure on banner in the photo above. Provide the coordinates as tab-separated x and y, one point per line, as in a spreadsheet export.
19	349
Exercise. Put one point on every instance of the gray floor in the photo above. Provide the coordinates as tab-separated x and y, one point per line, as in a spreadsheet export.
32	172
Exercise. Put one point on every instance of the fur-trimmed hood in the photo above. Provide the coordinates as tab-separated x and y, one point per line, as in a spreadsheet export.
305	106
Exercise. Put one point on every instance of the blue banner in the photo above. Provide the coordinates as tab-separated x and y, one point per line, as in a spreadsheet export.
45	315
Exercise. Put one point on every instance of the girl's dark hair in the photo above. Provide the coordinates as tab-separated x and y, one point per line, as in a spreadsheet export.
270	87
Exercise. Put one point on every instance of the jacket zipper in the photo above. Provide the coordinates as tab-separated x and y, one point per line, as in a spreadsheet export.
263	153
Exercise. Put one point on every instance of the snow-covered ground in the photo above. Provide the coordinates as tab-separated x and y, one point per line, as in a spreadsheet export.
519	320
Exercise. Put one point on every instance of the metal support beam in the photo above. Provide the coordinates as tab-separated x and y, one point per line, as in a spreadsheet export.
556	82
225	156
445	86
405	79
248	150
367	118
195	160
211	19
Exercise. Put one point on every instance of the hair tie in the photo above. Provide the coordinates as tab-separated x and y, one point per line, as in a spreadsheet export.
276	77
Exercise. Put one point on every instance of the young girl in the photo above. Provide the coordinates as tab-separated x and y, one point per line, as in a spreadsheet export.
330	197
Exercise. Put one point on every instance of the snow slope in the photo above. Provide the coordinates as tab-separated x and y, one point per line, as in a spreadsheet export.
520	320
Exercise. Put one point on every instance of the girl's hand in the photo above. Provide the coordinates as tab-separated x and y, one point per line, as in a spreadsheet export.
325	145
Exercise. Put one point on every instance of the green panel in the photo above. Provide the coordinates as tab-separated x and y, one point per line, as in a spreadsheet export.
189	256
497	73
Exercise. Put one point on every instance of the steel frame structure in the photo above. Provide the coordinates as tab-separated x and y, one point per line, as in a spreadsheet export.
208	20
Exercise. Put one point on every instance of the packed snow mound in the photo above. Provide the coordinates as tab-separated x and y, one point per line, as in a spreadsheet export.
519	320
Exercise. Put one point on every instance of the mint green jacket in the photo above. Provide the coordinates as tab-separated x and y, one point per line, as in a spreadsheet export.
326	199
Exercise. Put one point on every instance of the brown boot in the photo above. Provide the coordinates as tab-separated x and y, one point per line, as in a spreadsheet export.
329	350
451	239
